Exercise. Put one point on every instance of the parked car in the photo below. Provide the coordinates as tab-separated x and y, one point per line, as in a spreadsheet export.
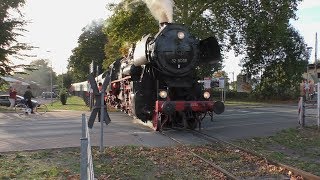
4	100
48	95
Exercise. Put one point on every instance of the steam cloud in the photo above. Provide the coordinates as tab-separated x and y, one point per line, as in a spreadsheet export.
162	10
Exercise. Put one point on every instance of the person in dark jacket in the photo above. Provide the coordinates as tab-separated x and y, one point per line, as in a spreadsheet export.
27	97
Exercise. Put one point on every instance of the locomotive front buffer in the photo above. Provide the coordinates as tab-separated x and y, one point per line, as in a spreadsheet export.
190	112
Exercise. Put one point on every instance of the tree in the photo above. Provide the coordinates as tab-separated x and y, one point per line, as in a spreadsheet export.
64	81
129	22
260	30
132	19
282	76
274	50
10	29
90	49
41	73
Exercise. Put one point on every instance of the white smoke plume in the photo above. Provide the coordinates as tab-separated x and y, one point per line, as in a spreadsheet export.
162	10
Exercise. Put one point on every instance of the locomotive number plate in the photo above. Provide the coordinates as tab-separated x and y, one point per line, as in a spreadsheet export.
179	61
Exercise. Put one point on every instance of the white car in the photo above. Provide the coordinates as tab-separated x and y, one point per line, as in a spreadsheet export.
4	100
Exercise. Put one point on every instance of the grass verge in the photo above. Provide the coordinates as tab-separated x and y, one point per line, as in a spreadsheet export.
73	103
296	147
6	109
128	162
256	103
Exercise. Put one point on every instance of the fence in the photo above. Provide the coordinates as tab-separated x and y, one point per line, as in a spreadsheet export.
86	165
310	108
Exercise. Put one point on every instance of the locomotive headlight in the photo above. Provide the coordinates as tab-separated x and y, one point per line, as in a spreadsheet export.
180	35
163	94
206	95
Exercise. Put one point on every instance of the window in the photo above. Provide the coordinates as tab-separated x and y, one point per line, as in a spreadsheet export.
4	97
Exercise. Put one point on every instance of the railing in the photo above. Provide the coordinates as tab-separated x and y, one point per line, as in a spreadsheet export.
310	108
86	165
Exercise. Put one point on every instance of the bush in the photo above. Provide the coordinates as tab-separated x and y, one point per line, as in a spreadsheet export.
63	97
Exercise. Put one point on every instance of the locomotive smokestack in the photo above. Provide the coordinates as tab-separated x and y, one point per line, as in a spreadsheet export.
162	10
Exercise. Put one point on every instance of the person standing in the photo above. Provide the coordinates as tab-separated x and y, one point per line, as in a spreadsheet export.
12	96
27	97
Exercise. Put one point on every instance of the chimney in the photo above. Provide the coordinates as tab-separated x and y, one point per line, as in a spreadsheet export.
163	24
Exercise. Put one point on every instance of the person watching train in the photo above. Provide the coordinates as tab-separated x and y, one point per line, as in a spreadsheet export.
27	97
12	96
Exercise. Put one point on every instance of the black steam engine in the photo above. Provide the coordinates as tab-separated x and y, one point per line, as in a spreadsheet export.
157	80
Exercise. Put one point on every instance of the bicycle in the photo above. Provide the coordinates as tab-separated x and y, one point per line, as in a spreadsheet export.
24	111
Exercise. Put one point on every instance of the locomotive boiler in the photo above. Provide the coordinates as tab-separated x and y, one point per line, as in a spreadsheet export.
157	79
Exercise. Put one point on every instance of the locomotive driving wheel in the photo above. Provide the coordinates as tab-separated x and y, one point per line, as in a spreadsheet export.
189	121
192	123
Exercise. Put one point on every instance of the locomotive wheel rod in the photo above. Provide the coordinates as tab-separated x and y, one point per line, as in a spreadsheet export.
119	80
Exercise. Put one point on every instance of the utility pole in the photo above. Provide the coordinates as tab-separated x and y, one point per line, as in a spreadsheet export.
316	56
316	49
62	78
51	82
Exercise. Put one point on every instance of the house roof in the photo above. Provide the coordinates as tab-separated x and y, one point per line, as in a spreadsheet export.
14	81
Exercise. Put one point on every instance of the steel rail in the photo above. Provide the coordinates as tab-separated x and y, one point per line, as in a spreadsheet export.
225	172
295	171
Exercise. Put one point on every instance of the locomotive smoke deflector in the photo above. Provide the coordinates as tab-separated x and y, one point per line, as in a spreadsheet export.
140	52
209	51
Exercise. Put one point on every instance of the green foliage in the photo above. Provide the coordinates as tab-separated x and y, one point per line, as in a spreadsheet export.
282	74
10	28
74	103
130	21
274	49
90	48
4	86
259	30
204	19
63	97
64	80
39	72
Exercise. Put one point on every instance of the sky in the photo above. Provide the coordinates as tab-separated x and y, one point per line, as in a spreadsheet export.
56	25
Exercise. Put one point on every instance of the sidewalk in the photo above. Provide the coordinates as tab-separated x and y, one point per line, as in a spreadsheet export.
63	129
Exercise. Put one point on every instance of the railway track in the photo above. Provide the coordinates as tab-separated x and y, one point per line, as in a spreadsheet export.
235	162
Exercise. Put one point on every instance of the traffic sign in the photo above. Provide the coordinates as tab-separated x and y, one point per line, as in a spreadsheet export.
100	106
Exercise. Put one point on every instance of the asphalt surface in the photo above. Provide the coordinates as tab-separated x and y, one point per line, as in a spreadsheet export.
63	128
252	121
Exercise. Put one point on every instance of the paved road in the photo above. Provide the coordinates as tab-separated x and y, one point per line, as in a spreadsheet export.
63	128
246	122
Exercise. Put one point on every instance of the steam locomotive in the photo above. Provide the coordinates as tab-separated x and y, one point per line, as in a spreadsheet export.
157	79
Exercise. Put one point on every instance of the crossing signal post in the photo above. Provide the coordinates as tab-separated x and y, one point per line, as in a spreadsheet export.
100	106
